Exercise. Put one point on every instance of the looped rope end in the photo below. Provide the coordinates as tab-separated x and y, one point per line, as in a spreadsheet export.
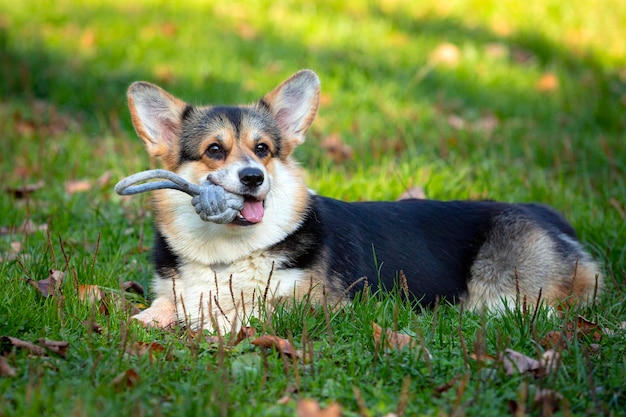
130	185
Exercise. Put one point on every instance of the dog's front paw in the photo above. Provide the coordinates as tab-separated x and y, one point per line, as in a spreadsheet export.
215	204
161	315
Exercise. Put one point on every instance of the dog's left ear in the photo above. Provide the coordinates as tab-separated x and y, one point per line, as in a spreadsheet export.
294	104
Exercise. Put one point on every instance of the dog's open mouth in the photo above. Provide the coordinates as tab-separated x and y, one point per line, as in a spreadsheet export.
252	212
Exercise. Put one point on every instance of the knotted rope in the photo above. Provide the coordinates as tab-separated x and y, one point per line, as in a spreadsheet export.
212	202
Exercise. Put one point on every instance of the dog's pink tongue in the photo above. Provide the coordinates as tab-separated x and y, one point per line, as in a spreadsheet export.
253	211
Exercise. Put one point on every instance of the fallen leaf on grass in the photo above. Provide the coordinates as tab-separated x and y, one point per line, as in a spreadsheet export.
51	285
126	379
395	340
134	287
274	342
90	293
55	346
244	333
6	370
58	347
446	53
413	192
13	254
77	186
588	328
547	83
337	149
311	408
548	400
482	357
440	389
145	348
24	190
581	328
515	362
28	227
81	186
93	294
93	326
104	179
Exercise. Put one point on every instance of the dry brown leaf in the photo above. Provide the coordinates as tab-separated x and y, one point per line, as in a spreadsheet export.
56	346
88	39
244	333
548	400
440	389
274	342
126	379
90	293
515	362
93	326
457	122
104	179
582	328
169	29
595	348
145	348
447	54
6	370
133	286
28	227
51	285
393	340
553	340
13	253
413	192
337	149
104	300
24	190
482	357
496	50
547	83
164	73
77	186
7	343
488	122
311	408
588	328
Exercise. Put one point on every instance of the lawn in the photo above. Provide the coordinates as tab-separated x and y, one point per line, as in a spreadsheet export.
511	101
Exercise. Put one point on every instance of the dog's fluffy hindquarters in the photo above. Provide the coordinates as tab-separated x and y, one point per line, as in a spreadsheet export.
210	274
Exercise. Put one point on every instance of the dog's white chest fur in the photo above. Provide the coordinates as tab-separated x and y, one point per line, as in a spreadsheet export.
222	296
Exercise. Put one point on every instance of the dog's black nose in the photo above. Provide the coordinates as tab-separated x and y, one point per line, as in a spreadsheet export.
251	177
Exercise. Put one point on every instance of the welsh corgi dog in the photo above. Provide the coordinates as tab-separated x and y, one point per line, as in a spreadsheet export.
295	243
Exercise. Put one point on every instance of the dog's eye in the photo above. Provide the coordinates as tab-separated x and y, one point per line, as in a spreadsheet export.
262	150
215	151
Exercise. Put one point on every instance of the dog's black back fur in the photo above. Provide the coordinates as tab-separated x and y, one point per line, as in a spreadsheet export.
434	243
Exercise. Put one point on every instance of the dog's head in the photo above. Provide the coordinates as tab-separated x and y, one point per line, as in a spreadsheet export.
244	149
236	147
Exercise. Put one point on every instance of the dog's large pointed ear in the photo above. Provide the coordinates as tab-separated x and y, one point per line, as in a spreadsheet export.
157	117
294	104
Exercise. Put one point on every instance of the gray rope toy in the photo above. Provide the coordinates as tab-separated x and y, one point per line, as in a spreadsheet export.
212	202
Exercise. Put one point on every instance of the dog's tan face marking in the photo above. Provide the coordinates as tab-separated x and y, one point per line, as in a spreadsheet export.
223	147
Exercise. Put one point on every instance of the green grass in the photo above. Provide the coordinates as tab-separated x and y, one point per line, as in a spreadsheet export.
488	124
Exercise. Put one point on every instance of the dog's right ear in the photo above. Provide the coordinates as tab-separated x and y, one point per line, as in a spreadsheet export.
157	117
294	105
